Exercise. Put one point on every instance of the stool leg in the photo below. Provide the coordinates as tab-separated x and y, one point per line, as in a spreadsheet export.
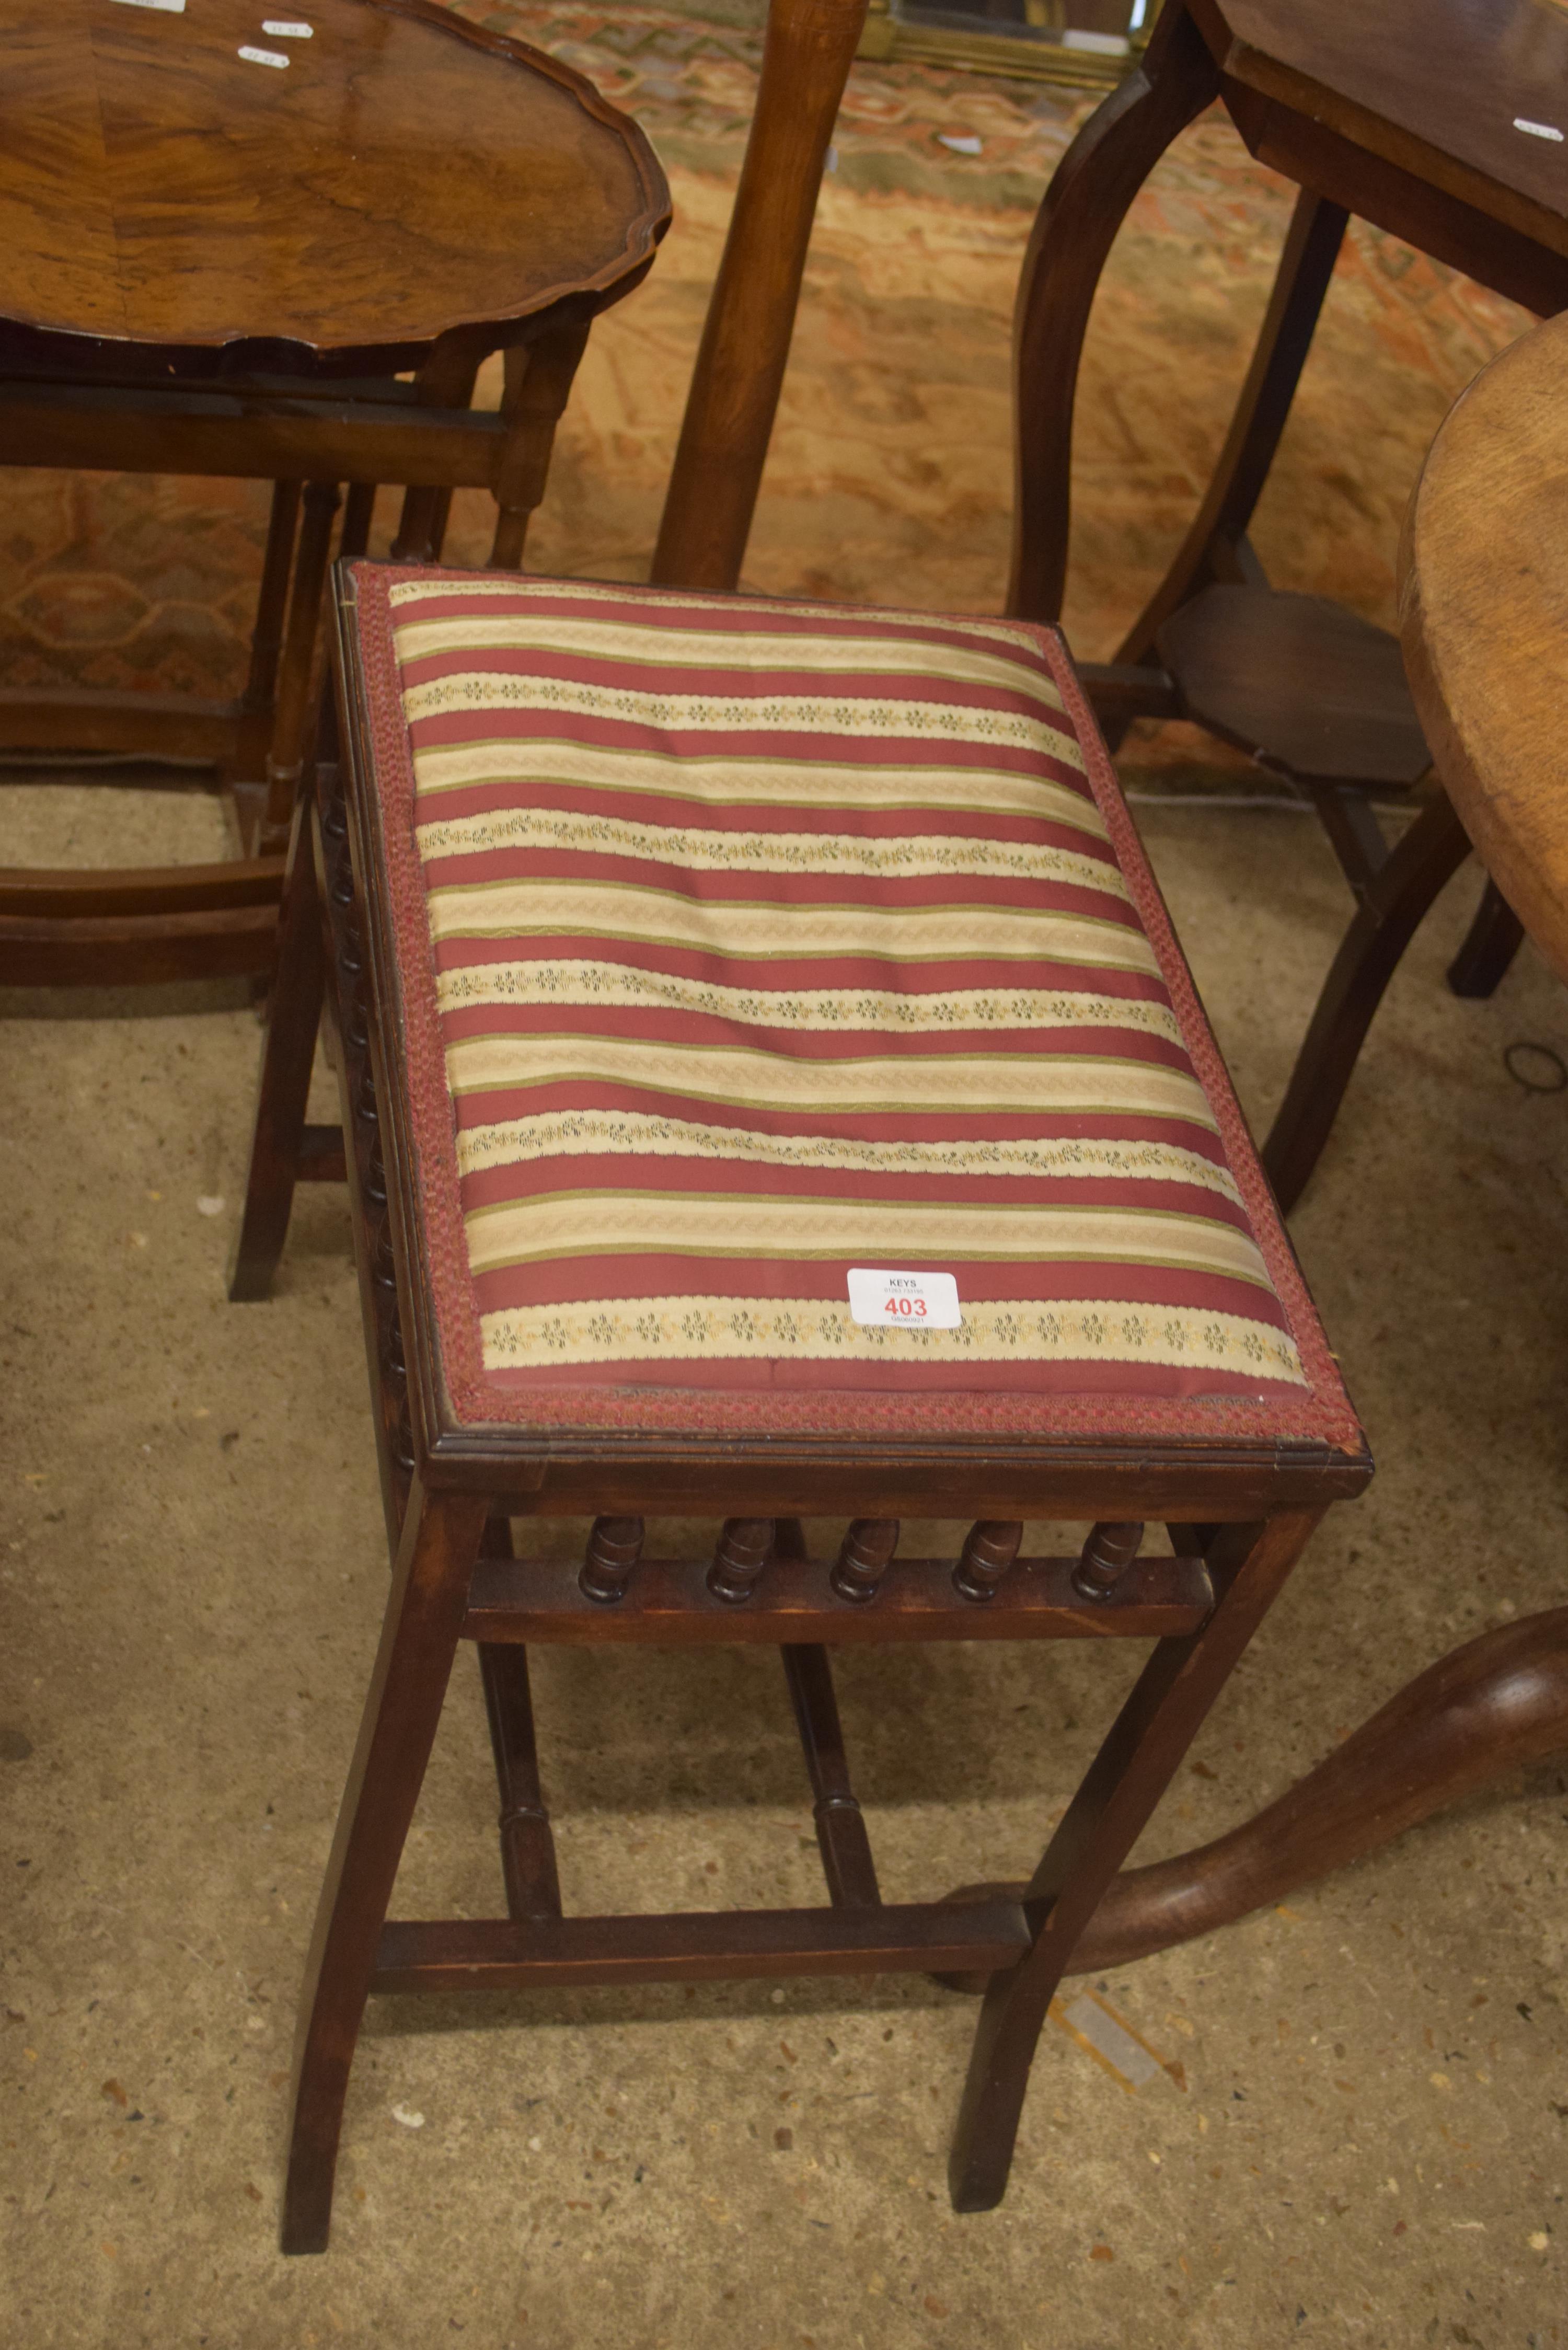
414	1664
1124	1782
1387	919
294	1016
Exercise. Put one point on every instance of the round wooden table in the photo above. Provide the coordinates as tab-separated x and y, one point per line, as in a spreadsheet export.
1484	613
214	266
1483	593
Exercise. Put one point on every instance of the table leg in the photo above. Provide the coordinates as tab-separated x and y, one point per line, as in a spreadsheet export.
1073	231
539	377
295	712
289	1051
247	762
445	381
1391	912
1215	549
359	514
1492	941
1497	1705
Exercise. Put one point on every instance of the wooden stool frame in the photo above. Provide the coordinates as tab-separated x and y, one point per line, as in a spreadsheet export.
1238	1515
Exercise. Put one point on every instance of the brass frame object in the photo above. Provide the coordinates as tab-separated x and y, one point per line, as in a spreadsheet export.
890	38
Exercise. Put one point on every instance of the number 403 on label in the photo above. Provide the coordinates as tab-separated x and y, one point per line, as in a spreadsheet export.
926	1300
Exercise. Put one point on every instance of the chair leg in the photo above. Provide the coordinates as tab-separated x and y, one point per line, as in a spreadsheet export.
294	1017
418	1640
1386	920
1104	1819
1492	941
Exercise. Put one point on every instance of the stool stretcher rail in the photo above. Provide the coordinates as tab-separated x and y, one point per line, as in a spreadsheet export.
512	1599
697	1946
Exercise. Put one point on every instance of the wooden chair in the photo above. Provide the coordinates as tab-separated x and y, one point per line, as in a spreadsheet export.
256	318
807	56
771	1091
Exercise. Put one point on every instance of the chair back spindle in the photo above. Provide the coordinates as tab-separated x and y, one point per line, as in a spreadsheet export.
734	394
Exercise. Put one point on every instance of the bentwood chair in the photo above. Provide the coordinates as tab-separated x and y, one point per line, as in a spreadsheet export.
773	1092
290	276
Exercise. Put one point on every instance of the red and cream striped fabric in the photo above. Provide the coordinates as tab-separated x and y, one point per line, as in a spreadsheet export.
745	942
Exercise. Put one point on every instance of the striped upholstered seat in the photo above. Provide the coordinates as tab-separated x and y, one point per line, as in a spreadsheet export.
744	943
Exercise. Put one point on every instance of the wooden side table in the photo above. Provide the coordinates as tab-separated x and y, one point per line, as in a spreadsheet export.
209	266
1403	115
1484	612
1414	115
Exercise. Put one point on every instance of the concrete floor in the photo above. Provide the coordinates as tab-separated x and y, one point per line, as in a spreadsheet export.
1364	2133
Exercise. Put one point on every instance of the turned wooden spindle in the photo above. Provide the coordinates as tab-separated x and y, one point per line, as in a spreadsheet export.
614	1546
744	1548
989	1552
1110	1550
383	1263
863	1557
397	1360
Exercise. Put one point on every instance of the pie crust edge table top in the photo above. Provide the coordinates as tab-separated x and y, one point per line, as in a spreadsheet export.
405	174
1484	621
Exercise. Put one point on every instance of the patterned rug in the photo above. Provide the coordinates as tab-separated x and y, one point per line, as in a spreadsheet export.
890	472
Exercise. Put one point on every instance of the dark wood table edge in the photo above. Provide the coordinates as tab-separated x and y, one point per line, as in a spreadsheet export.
644	234
130	926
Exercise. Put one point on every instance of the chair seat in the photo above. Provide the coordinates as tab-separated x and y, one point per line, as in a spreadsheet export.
742	943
